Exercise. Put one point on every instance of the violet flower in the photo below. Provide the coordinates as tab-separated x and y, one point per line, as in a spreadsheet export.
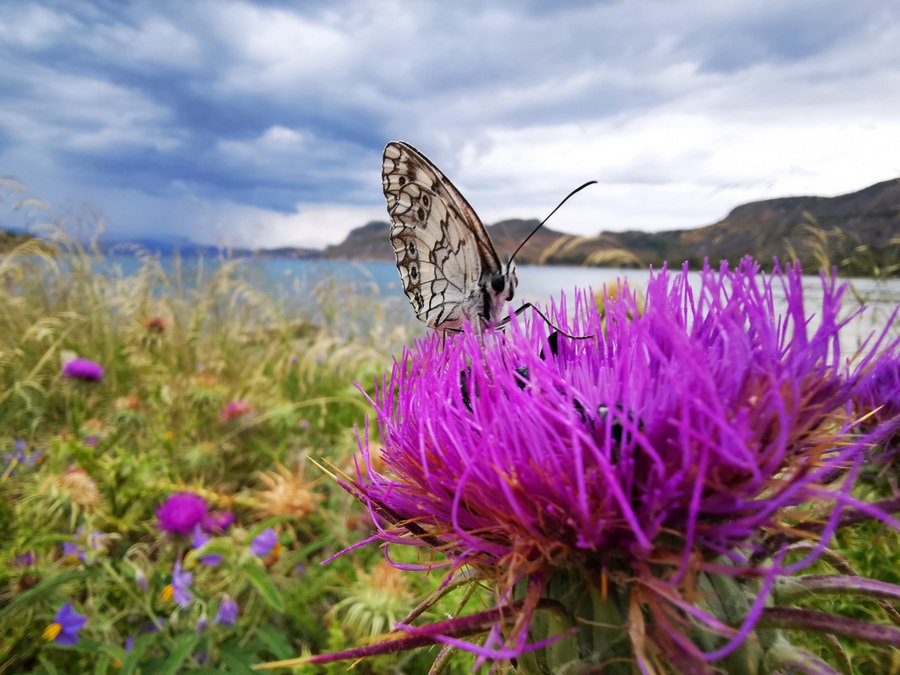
180	586
181	512
64	630
264	542
83	369
662	447
228	611
199	538
73	551
218	522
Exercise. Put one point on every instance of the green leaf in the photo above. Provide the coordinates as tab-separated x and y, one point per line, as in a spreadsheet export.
48	666
40	589
130	662
277	643
263	583
181	653
238	660
219	546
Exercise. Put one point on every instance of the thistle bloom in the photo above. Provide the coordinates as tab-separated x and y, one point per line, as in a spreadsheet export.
234	410
228	611
662	448
64	630
181	512
83	369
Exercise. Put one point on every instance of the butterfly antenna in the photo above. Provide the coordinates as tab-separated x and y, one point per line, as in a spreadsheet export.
541	224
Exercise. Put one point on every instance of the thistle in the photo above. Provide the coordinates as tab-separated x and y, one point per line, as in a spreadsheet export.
632	498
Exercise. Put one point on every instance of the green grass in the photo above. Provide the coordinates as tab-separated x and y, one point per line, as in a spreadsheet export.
177	347
111	452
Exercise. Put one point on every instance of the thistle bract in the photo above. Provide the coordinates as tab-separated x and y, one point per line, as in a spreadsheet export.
660	449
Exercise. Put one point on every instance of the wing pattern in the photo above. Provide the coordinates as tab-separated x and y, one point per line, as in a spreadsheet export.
443	251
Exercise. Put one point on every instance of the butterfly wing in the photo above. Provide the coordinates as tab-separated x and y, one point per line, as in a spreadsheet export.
442	248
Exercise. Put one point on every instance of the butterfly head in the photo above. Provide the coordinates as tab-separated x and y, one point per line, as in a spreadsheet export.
497	289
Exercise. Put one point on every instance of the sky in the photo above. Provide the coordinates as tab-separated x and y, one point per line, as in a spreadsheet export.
262	123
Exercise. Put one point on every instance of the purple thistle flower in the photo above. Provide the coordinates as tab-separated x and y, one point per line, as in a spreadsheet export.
181	512
199	538
64	630
235	410
878	390
672	437
264	542
228	611
218	522
83	369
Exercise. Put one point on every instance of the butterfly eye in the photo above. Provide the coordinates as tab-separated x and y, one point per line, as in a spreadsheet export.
497	283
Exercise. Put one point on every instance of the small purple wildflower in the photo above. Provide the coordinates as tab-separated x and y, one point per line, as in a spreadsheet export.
64	630
180	586
675	436
91	441
19	456
181	512
141	579
129	643
218	522
202	624
27	559
83	369
73	551
264	542
228	611
197	540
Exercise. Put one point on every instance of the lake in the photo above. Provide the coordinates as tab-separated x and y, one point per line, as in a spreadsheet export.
328	287
302	281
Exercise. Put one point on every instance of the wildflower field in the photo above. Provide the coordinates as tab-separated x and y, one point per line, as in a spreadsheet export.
698	487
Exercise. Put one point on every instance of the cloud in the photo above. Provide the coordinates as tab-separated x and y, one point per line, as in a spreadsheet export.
223	117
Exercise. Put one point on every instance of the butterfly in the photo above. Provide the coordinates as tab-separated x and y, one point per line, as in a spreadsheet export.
448	265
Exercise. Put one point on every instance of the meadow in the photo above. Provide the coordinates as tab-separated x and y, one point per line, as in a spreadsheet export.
201	414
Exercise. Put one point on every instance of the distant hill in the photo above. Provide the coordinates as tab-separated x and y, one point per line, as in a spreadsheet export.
371	242
858	232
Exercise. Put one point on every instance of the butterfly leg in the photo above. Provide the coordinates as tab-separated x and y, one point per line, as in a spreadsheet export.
528	305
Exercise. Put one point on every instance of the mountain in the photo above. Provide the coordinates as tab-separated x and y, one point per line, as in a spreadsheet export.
859	232
371	241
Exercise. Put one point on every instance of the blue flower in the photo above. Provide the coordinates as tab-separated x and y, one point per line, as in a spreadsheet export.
200	538
228	611
64	630
264	542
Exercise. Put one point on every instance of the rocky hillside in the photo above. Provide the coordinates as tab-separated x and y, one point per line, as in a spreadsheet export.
858	232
